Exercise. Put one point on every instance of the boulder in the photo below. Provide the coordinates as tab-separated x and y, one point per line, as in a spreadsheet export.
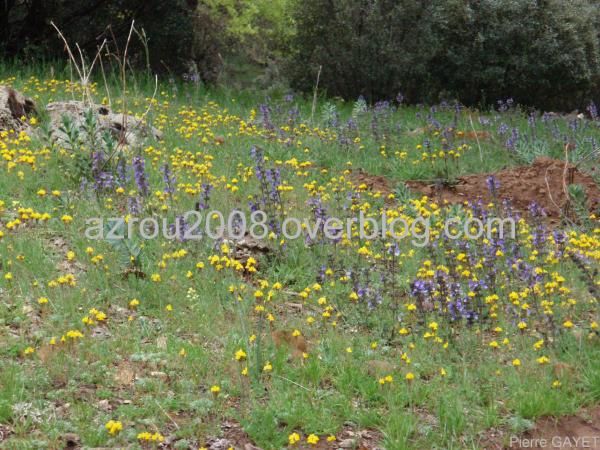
125	128
13	107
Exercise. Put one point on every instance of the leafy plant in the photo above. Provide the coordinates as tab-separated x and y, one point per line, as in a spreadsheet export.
128	248
527	151
359	107
578	203
329	114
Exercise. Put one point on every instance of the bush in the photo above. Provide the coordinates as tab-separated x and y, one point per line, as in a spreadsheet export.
253	36
260	27
169	27
365	47
544	53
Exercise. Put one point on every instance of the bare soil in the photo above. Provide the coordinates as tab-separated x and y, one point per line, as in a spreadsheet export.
543	182
374	183
575	432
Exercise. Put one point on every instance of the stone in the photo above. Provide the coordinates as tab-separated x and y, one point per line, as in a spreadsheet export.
126	129
13	107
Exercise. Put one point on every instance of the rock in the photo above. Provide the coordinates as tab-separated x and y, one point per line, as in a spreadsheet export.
220	444
245	247
123	127
71	440
104	405
161	375
347	443
14	106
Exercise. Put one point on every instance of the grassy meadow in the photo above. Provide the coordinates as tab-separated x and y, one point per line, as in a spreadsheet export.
297	343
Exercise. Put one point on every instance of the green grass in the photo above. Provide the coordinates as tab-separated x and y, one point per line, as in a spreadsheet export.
152	367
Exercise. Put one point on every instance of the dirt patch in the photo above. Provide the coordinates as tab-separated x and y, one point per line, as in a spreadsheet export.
246	247
5	432
373	183
542	182
233	436
125	374
350	439
575	432
60	249
296	345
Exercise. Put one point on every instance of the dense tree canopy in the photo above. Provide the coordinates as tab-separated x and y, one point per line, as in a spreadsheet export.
544	53
25	28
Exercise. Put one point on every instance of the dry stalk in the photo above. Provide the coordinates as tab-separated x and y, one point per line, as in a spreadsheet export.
314	102
476	138
124	82
105	83
83	72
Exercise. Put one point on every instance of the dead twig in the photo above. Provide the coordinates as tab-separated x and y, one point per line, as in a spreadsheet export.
476	138
166	414
83	72
314	102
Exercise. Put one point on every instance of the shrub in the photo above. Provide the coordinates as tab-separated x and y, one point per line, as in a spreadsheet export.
365	47
26	31
259	26
253	35
544	53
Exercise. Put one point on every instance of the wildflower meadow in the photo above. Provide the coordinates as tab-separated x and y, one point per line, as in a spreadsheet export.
245	338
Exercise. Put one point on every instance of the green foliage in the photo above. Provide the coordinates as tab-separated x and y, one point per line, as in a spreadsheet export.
175	37
578	202
136	354
364	47
206	44
26	29
128	248
544	53
252	38
259	25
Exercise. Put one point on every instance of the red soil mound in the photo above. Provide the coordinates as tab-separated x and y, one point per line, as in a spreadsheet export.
543	182
374	183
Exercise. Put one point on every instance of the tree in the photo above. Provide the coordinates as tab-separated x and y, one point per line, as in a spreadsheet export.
543	53
26	28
